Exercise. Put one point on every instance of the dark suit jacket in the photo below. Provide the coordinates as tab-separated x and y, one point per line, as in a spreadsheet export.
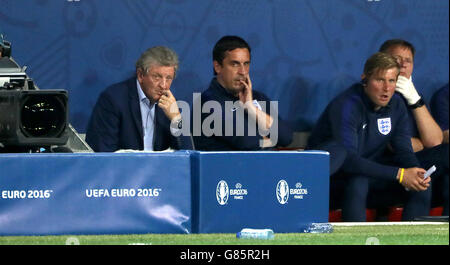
116	122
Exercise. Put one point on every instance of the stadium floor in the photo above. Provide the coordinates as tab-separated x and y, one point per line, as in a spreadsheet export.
393	233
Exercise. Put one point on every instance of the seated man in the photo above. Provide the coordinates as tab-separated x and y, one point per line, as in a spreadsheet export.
427	136
439	109
136	113
238	111
356	127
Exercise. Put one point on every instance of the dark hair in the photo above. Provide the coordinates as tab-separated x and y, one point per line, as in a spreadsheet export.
225	44
397	42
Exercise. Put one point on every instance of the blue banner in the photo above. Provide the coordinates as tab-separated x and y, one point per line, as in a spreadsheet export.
51	194
283	191
179	192
304	52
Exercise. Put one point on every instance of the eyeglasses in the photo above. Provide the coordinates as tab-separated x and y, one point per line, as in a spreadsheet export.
402	60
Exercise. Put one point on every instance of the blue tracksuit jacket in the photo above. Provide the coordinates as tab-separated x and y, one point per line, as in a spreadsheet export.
350	120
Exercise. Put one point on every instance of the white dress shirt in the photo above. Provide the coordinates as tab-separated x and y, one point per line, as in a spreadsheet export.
148	118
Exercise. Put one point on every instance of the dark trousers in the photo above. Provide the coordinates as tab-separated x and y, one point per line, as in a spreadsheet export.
354	193
439	157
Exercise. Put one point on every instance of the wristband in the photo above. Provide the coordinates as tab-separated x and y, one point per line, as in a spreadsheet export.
401	175
418	104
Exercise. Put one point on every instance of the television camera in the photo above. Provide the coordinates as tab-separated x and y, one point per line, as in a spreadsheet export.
32	120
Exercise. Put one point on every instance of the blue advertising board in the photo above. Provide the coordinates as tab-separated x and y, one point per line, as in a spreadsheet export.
283	191
176	192
51	194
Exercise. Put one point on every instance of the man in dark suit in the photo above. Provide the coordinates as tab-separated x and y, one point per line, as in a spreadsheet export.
140	113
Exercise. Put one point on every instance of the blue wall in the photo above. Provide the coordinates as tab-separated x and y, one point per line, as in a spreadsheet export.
304	52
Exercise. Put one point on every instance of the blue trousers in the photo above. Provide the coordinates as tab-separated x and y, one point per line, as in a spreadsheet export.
439	157
354	193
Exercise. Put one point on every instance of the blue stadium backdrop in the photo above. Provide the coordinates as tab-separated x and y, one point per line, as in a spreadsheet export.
304	51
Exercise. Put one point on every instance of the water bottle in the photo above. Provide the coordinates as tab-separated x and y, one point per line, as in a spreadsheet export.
315	228
256	233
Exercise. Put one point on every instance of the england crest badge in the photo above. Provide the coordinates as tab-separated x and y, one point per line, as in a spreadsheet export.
384	126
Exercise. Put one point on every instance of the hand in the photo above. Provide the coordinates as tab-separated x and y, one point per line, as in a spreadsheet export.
407	89
168	104
413	179
246	94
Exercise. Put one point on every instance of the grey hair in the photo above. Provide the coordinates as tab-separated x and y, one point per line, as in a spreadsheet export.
157	56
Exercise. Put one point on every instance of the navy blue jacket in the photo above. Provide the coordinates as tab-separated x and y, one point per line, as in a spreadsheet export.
116	122
351	121
246	142
439	107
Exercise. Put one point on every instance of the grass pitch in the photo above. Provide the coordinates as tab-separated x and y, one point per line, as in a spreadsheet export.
427	234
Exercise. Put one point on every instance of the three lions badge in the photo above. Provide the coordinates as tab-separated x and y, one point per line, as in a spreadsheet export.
384	126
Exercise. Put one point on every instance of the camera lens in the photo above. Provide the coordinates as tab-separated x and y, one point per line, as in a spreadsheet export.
42	116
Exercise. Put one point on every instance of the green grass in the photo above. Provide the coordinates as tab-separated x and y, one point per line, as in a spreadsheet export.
355	235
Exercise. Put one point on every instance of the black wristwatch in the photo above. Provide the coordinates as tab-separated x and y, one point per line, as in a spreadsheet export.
418	104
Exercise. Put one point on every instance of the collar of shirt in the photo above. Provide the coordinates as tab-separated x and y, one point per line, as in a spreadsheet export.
142	96
147	117
221	90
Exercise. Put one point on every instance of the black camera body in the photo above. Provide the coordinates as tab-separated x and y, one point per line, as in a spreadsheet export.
33	117
30	117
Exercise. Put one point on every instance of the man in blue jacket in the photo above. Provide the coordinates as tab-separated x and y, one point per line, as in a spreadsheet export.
235	117
140	113
355	128
439	110
427	136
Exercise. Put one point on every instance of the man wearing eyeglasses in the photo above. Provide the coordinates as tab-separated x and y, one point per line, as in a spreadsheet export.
140	113
427	135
